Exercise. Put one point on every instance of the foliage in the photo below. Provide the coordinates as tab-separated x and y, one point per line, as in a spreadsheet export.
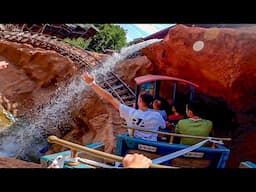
110	37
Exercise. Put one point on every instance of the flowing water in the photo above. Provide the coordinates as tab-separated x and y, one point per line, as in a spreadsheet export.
29	133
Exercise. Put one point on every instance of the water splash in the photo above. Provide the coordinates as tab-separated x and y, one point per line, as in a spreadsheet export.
110	63
29	134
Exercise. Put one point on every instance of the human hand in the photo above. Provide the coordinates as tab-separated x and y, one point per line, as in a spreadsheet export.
88	78
136	161
58	162
3	64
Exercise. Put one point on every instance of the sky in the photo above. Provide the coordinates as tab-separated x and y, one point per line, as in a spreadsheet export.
134	31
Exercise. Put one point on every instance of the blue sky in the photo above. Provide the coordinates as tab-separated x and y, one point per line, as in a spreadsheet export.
134	31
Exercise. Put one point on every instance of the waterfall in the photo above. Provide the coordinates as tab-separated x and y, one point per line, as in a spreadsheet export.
29	133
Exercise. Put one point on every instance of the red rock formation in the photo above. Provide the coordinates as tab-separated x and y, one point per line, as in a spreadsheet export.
32	73
131	68
222	62
224	67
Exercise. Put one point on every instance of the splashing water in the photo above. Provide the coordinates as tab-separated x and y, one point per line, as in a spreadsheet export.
110	63
29	134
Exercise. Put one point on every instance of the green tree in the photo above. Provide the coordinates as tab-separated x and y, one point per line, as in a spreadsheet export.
109	37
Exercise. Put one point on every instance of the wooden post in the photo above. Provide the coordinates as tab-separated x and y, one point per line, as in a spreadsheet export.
171	139
74	155
131	132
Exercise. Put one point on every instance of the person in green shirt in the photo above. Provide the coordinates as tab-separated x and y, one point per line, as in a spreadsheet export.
193	125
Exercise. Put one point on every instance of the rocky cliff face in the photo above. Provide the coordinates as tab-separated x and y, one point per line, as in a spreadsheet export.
222	62
32	74
131	68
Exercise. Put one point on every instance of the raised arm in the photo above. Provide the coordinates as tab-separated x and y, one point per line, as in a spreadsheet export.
91	81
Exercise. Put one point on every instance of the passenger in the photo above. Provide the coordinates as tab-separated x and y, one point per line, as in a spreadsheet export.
193	125
3	65
157	106
168	106
136	161
170	101
173	118
141	118
176	114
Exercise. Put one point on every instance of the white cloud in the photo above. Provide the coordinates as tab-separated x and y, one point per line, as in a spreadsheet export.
148	28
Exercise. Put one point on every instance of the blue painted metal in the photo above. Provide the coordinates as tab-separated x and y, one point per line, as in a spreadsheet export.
46	160
95	145
217	156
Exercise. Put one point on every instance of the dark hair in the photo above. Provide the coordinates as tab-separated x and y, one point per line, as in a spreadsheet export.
164	105
196	107
146	98
180	108
158	103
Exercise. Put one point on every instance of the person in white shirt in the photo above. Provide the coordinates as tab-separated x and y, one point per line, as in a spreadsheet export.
141	118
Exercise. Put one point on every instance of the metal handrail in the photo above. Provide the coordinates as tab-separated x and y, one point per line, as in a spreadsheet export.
178	135
94	152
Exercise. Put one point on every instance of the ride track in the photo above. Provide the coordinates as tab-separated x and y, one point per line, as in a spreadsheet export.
110	81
